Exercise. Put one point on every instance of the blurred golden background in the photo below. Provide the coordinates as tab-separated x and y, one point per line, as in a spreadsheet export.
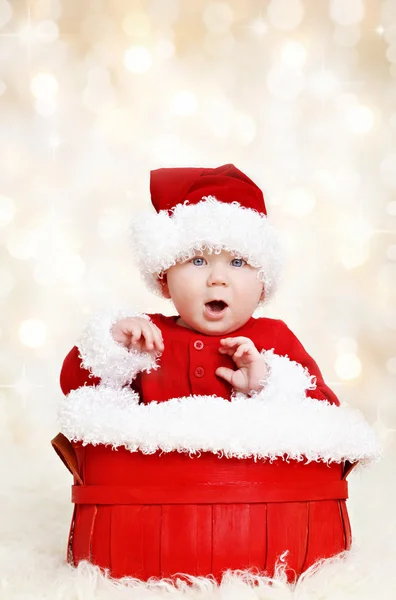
299	95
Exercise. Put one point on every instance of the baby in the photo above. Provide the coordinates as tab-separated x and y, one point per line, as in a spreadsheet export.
196	441
216	259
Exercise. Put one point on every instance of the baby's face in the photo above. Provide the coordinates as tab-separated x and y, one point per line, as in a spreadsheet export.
214	294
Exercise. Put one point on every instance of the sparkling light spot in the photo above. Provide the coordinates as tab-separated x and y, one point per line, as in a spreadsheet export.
32	333
44	86
184	102
294	54
348	366
380	30
138	59
7	210
360	119
299	201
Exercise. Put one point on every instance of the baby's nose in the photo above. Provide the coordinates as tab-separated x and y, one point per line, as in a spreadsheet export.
217	277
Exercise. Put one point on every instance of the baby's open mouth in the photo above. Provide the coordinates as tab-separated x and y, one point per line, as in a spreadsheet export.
216	305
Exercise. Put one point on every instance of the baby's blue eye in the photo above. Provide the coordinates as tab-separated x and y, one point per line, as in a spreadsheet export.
238	262
198	261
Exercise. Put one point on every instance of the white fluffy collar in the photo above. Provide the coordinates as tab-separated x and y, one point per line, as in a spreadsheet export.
279	421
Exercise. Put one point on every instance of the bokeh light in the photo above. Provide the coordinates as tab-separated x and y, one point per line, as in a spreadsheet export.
184	102
348	366
32	333
299	201
138	59
360	119
294	54
44	86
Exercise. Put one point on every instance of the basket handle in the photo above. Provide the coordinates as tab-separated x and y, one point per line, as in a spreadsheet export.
348	466
66	453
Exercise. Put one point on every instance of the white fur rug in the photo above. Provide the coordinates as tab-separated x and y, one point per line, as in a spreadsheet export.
35	517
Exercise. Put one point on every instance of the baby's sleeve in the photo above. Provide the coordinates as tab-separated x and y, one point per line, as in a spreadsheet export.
98	358
73	375
288	344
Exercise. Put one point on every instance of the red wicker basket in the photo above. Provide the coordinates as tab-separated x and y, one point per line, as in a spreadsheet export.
161	514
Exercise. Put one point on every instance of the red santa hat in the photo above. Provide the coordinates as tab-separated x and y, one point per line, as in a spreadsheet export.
205	209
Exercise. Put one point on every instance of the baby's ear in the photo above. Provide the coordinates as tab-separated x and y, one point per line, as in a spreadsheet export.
163	281
262	297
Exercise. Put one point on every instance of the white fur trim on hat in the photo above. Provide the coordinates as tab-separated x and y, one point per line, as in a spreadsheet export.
106	358
280	421
160	240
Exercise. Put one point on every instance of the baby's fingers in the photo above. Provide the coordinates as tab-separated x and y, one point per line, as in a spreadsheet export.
243	349
157	338
152	337
225	373
230	342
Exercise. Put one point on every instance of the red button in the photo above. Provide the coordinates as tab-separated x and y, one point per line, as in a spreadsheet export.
198	345
199	372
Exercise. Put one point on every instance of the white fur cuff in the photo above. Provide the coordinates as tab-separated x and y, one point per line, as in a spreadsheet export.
286	380
299	429
106	358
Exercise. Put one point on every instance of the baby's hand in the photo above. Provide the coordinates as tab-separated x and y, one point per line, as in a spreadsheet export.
138	334
252	368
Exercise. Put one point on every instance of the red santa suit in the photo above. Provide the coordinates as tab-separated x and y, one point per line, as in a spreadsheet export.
174	472
188	364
